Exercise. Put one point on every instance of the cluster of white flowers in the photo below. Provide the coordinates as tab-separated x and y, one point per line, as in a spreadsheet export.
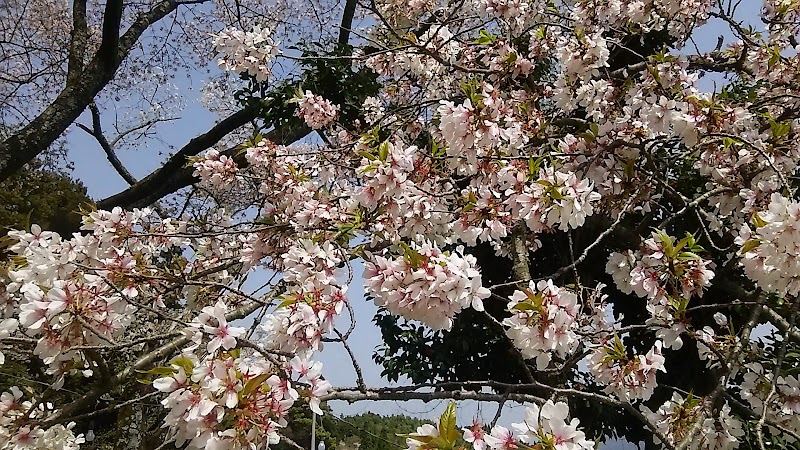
668	273
316	111
373	110
64	305
555	199
784	405
215	170
545	427
770	251
473	131
7	328
32	437
314	300
626	377
212	322
677	417
208	396
425	284
543	321
548	425
247	52
386	176
662	267
80	292
205	397
782	18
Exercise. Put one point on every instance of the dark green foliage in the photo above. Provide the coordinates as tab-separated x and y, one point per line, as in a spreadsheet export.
44	197
326	72
299	428
373	431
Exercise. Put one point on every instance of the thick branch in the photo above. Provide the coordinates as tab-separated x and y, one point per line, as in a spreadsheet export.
519	250
34	138
354	396
112	17
173	175
78	38
347	23
170	177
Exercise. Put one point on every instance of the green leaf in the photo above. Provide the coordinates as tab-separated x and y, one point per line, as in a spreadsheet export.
555	193
523	306
447	424
688	256
383	151
183	362
534	164
252	384
159	371
749	245
485	38
779	129
758	222
288	300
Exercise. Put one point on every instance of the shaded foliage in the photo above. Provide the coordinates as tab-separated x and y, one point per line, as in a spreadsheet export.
41	196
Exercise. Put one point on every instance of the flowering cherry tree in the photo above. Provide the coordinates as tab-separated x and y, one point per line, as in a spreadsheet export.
560	171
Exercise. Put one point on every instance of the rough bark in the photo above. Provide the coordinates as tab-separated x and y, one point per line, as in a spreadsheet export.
80	88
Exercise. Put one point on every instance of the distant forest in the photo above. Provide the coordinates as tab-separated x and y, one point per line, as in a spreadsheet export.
367	431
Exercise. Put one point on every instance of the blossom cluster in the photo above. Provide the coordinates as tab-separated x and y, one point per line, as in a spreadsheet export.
782	407
247	52
543	321
223	401
663	267
770	249
425	283
316	111
555	199
215	169
313	302
676	418
668	273
227	400
14	409
547	427
627	377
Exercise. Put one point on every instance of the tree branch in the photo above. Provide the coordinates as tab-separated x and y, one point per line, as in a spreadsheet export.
31	140
173	175
112	18
97	132
78	38
347	23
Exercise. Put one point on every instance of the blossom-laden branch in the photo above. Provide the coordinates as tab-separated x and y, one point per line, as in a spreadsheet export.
540	134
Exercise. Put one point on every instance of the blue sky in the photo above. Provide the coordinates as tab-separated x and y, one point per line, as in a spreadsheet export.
95	171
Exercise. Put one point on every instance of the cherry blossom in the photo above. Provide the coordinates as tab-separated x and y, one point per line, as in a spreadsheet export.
548	427
315	110
247	51
426	284
543	321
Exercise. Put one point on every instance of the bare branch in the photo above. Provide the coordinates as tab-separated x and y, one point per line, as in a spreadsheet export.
97	132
